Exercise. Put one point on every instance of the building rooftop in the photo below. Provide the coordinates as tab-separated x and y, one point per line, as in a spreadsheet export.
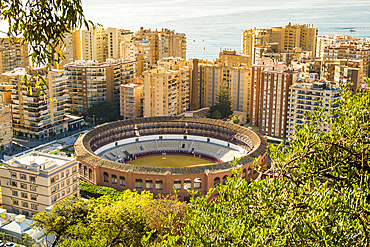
38	161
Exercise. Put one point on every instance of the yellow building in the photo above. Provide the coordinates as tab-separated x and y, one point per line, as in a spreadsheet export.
167	90
131	97
6	130
72	49
132	48
165	43
287	38
34	181
91	82
233	58
33	116
330	40
12	55
349	51
237	78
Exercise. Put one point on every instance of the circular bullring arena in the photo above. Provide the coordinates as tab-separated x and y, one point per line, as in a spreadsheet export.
162	153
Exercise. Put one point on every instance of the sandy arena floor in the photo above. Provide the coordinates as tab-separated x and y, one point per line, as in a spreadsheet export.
170	161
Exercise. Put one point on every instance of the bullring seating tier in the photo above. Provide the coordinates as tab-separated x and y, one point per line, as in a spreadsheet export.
218	151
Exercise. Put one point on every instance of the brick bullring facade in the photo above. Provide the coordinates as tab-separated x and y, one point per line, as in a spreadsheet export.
99	171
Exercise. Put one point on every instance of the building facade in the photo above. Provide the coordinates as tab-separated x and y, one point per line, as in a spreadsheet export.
12	55
269	96
91	82
34	181
303	98
131	99
38	116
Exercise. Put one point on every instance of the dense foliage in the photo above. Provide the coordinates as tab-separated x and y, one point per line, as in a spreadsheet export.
104	110
92	191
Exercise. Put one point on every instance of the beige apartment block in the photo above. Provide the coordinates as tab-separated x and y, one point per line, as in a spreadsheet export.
237	79
103	44
331	40
343	71
303	98
164	43
91	82
12	55
34	181
131	99
167	90
6	130
286	38
234	59
33	116
349	51
72	49
269	96
131	48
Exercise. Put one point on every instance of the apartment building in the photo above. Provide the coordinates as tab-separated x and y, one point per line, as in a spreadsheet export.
6	130
287	38
237	79
131	99
131	48
269	96
233	58
164	43
34	181
343	71
303	98
38	116
72	49
331	40
349	51
103	44
91	82
12	55
167	90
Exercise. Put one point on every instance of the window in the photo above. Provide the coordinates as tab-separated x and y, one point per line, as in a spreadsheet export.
24	186
106	177
138	183
197	183
187	184
177	184
114	179
15	202
158	184
14	184
63	193
52	180
74	169
53	199
74	187
62	184
74	178
216	181
148	184
90	174
13	175
85	171
33	197
32	179
68	190
25	204
15	193
62	175
67	173
67	181
33	188
122	181
34	206
24	177
24	195
56	177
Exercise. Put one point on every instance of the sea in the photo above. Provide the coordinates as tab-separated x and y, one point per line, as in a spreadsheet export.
211	26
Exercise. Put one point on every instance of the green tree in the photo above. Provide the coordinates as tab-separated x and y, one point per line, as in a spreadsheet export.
223	106
43	25
235	119
105	110
317	195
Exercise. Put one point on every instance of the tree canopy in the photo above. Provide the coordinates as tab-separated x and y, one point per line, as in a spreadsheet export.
223	106
104	110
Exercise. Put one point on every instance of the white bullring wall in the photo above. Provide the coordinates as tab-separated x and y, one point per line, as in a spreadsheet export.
171	137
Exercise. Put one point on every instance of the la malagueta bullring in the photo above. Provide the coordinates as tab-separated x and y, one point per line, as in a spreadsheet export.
162	153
